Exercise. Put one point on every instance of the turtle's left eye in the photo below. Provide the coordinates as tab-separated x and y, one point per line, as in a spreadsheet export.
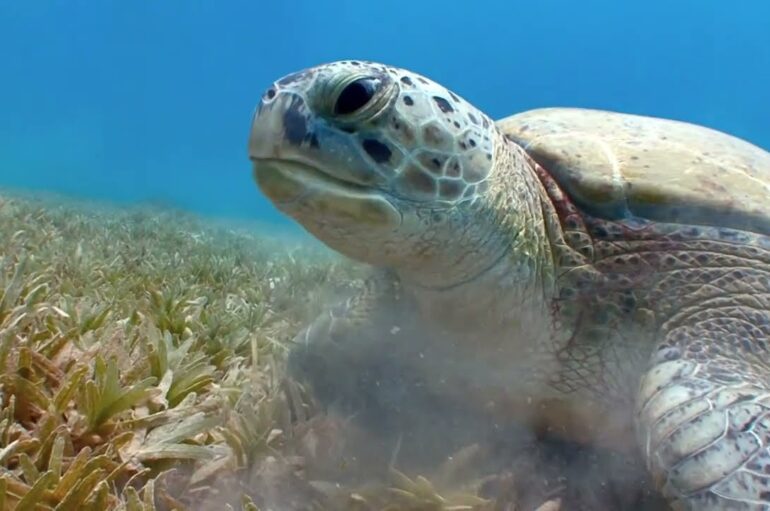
355	96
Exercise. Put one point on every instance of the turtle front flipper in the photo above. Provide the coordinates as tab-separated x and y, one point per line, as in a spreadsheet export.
360	360
703	414
347	355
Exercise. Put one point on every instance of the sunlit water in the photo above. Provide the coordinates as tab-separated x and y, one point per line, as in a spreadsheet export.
150	102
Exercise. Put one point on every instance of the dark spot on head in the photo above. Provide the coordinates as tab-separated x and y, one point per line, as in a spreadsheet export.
422	80
378	151
407	134
294	122
434	136
450	189
472	142
485	122
454	97
489	156
453	169
408	100
473	118
294	77
432	162
457	124
419	181
355	63
443	104
406	80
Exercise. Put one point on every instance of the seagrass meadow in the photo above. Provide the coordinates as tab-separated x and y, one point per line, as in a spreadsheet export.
141	368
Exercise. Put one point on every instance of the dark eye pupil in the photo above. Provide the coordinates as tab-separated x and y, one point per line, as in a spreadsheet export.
355	96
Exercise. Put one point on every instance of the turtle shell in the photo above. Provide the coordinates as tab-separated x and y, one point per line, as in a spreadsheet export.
617	165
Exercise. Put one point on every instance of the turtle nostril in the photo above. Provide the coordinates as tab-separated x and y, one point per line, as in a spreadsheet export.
270	94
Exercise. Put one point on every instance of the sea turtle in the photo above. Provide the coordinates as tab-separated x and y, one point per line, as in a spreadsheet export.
603	274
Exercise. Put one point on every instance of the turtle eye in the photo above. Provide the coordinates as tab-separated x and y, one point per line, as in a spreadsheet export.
355	96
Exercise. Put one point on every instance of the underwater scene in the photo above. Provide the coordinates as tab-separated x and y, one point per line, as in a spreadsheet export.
385	256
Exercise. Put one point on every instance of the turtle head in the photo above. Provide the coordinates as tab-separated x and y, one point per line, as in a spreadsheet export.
373	160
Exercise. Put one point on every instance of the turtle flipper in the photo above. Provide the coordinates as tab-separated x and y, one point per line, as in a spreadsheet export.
704	428
361	359
341	350
355	357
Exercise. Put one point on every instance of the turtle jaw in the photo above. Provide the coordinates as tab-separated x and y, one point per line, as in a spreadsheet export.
310	195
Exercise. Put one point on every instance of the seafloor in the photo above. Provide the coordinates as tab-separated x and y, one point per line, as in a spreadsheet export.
141	354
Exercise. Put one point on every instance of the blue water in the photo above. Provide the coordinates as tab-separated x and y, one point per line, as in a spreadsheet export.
151	100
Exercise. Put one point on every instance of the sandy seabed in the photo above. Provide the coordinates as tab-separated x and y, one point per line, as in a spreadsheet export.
141	367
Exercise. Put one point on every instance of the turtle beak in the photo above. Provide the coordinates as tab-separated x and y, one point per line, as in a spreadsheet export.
280	122
280	146
299	176
262	143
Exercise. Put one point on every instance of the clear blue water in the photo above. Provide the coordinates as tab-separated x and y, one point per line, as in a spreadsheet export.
149	100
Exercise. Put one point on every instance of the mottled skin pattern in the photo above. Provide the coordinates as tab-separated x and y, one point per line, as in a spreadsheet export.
508	279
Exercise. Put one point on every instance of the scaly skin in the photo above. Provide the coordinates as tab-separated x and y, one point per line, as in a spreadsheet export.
498	294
